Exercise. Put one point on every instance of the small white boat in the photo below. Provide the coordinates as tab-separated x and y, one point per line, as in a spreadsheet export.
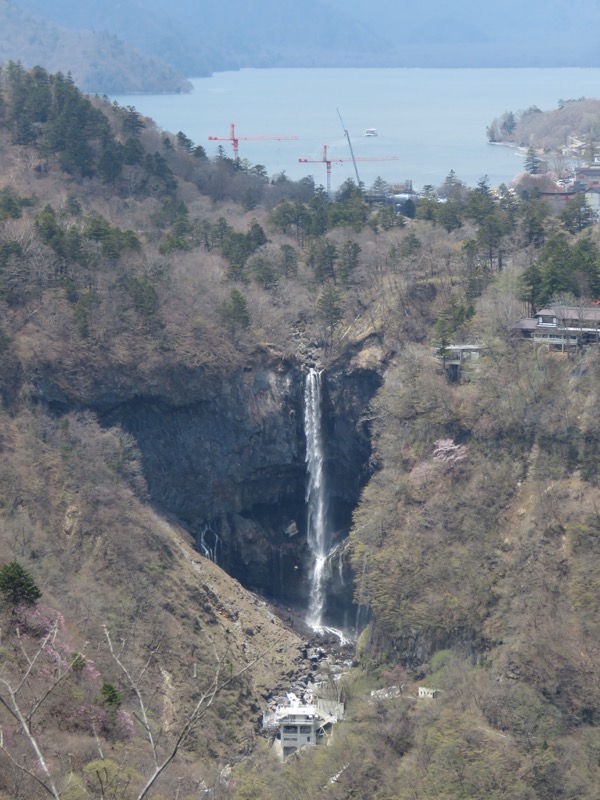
371	132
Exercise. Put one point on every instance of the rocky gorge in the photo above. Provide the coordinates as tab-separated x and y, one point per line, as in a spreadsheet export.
223	454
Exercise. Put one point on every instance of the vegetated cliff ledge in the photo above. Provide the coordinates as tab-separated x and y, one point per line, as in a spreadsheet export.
223	451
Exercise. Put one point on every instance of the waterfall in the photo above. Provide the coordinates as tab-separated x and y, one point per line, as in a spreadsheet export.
316	497
209	549
319	533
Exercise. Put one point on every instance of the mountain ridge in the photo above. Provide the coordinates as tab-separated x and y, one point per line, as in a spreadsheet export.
98	62
194	41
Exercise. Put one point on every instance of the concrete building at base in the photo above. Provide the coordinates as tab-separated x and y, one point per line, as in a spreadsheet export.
298	724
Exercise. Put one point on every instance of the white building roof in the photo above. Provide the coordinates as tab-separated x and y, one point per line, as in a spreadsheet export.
294	708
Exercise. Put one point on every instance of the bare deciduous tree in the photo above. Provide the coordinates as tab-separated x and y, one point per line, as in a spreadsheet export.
22	696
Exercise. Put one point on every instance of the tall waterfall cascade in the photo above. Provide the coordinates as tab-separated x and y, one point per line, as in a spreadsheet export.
318	531
316	497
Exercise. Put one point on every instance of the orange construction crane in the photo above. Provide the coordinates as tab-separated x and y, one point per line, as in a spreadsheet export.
235	140
328	161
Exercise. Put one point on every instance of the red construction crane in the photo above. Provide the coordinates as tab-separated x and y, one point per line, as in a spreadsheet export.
328	161
235	140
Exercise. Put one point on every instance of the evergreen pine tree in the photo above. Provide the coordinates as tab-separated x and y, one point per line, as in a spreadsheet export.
329	307
532	162
17	586
234	313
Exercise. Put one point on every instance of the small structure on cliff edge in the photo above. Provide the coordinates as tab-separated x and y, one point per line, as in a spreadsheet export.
425	691
456	357
298	724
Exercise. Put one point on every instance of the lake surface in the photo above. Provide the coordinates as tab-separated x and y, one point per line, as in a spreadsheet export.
431	120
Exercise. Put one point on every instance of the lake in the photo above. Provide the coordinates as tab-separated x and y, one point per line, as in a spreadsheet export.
430	120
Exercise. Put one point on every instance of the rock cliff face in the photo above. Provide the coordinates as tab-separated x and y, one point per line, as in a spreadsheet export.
225	455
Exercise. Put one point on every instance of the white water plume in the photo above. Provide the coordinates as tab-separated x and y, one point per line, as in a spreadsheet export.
316	497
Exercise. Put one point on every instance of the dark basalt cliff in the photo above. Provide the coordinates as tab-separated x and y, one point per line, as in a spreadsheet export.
224	454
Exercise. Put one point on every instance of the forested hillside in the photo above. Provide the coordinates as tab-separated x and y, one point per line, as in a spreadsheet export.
573	127
158	310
